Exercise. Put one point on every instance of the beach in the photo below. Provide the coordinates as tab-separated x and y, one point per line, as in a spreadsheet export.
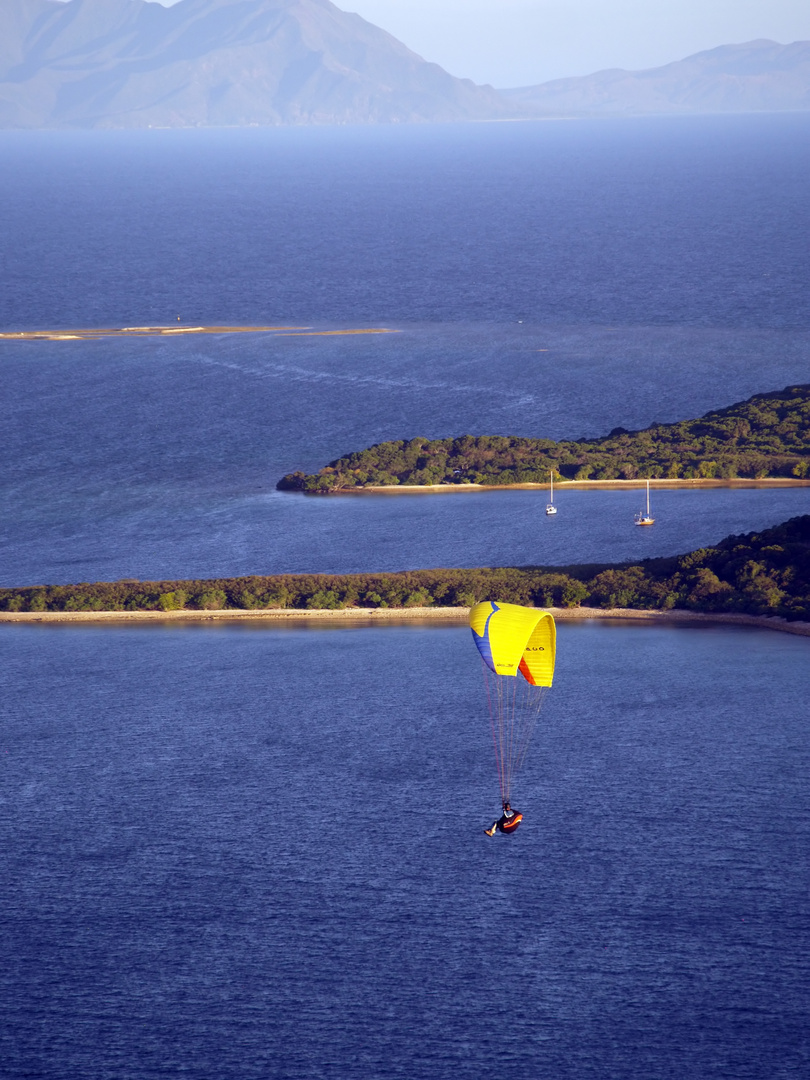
393	616
571	485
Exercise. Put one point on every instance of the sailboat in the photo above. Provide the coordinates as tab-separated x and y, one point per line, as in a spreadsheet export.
644	517
550	507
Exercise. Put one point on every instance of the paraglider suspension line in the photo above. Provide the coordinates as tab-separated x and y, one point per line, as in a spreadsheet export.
514	707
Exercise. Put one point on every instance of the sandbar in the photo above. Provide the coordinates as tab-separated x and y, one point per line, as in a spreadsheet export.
169	331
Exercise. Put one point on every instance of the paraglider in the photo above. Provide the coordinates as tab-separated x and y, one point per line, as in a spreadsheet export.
517	646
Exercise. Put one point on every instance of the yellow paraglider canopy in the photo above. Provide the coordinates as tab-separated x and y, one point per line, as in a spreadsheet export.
512	638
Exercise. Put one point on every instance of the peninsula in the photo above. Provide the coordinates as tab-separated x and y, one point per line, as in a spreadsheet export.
766	436
758	575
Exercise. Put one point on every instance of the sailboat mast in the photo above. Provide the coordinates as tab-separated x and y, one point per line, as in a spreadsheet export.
645	518
550	507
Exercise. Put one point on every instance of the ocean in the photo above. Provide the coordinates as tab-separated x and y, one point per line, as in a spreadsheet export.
548	279
249	851
256	851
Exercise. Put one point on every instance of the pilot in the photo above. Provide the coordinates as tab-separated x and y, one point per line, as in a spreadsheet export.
504	819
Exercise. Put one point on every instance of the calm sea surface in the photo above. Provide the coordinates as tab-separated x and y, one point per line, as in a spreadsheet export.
235	852
254	852
546	279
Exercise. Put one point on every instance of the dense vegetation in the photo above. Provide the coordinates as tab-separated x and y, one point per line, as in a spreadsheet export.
768	435
764	573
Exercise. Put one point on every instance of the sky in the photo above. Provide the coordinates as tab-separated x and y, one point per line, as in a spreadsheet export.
521	42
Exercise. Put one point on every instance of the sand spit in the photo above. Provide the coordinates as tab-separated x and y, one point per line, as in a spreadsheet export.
169	331
394	616
572	485
343	333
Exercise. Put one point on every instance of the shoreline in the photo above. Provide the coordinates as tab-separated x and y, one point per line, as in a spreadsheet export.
571	485
398	615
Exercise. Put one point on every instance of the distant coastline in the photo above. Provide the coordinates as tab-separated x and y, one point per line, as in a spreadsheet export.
187	68
393	616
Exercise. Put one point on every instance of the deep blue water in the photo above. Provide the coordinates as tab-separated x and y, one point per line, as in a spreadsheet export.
253	851
680	222
546	279
257	852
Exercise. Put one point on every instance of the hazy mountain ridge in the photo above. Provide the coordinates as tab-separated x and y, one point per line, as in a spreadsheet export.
130	63
133	63
752	77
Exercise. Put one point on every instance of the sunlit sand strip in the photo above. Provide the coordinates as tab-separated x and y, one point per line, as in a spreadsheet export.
675	482
185	330
353	615
571	485
339	333
171	331
140	331
392	616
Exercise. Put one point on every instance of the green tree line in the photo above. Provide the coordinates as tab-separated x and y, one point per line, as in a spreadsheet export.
765	573
767	435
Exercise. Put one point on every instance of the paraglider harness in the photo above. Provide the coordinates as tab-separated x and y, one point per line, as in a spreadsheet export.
508	823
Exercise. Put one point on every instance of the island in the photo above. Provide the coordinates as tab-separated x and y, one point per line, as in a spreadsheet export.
763	575
766	436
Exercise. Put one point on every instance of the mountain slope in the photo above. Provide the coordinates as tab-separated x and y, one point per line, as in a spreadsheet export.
130	63
754	77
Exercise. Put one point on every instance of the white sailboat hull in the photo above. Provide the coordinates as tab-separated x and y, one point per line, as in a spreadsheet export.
644	517
550	507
